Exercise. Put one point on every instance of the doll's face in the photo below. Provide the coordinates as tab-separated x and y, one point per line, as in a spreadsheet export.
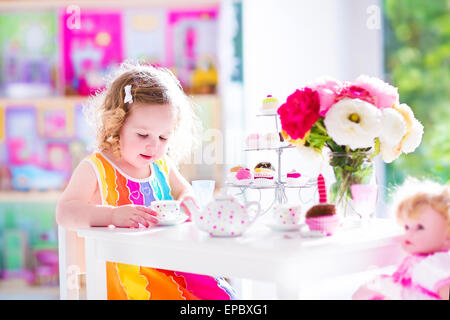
427	233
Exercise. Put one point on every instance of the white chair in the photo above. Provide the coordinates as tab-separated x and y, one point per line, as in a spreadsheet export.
71	264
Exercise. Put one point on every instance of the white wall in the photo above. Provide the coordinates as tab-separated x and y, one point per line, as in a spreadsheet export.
290	42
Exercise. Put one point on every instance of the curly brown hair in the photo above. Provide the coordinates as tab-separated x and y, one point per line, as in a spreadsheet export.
107	110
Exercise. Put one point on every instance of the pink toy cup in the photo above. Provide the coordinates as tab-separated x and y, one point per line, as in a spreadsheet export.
325	224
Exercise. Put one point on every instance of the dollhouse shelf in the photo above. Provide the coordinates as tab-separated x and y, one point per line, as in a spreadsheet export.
31	196
71	100
29	4
41	101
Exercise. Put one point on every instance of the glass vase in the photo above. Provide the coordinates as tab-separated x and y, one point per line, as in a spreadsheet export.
355	191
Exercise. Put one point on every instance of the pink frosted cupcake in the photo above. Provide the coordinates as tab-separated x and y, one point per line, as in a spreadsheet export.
244	177
293	178
253	141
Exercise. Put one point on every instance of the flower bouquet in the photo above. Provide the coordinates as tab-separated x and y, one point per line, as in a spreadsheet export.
356	121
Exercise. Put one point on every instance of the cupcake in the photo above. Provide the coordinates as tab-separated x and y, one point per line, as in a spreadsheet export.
231	178
270	140
253	141
293	178
264	174
244	177
269	105
265	165
322	217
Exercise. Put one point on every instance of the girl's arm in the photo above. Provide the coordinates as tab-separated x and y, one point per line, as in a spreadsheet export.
75	210
181	188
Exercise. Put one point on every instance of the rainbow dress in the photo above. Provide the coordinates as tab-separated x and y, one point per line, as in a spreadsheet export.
129	282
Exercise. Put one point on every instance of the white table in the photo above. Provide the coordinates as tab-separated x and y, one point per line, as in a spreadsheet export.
260	254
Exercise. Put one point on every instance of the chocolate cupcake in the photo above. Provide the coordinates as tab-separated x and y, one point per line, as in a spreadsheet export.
265	165
320	210
322	217
264	174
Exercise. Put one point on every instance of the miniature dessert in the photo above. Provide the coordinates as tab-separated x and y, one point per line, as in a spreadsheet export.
293	178
266	140
321	210
269	105
235	169
253	141
264	174
322	217
266	165
271	140
244	176
231	178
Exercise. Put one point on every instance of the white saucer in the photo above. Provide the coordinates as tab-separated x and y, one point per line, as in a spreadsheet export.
281	227
305	232
171	222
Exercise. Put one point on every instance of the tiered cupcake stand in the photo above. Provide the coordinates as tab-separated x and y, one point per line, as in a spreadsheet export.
278	186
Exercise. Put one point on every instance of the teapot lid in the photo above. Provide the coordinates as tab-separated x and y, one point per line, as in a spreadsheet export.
223	195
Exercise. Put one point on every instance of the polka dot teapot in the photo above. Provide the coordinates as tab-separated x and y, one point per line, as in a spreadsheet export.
225	216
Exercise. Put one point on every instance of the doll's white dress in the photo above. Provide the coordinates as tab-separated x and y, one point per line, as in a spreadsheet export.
418	277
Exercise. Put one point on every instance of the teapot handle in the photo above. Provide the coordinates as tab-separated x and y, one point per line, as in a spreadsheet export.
258	213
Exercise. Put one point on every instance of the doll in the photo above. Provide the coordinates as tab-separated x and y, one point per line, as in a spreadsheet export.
423	210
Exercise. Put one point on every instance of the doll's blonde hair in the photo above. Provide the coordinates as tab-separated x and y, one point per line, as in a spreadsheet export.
107	111
413	194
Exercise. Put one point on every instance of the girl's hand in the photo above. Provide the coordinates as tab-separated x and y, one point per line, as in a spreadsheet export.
185	208
130	216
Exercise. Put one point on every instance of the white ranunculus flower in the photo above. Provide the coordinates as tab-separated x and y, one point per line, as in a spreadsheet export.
393	127
413	137
407	114
353	122
389	153
311	160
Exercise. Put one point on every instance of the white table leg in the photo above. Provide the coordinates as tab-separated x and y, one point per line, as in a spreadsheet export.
95	272
287	291
288	283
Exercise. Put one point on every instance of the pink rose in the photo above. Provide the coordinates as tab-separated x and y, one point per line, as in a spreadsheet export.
384	94
327	88
354	92
299	112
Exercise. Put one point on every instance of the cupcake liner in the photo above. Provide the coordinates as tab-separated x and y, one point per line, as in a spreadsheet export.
263	182
326	224
293	181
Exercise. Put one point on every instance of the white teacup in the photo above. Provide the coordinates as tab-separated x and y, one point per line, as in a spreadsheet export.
167	209
286	214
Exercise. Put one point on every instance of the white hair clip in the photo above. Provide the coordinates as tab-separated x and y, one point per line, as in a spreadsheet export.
128	97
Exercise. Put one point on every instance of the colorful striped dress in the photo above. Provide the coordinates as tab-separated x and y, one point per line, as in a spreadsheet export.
126	281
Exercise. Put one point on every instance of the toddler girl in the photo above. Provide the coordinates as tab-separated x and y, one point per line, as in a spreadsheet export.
144	124
423	210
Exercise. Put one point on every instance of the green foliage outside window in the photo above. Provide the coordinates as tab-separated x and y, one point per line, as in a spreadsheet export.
417	58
